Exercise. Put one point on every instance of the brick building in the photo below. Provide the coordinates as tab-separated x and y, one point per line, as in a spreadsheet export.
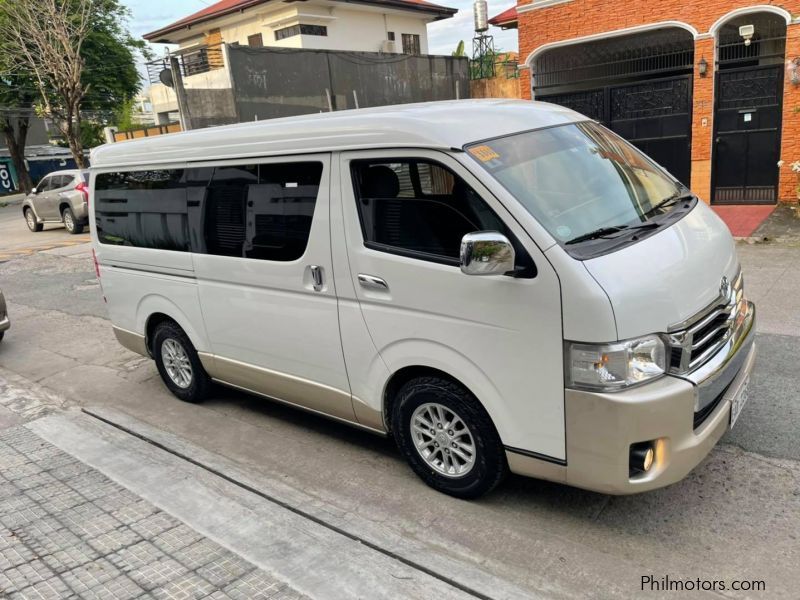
709	88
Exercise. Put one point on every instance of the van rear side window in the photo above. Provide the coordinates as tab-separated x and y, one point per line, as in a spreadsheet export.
248	211
145	209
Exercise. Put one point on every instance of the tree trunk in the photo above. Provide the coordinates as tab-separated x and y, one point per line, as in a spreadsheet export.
16	140
72	135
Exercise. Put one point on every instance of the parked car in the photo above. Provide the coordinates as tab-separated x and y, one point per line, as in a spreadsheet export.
5	323
60	197
527	293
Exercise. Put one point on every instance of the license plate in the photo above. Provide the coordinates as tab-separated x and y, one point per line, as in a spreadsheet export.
739	401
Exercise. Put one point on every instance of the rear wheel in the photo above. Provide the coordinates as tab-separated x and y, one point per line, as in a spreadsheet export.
70	223
448	438
30	219
179	365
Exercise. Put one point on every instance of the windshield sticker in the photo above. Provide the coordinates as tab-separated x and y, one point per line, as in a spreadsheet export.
483	153
563	232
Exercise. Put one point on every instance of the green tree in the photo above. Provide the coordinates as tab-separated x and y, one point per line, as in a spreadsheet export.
17	101
17	98
80	58
459	51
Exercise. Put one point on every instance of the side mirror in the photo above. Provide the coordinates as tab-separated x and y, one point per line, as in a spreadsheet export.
486	253
34	191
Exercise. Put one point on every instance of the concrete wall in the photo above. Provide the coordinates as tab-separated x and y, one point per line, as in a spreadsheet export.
211	107
164	100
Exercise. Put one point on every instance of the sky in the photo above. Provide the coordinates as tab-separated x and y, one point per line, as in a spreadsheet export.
443	36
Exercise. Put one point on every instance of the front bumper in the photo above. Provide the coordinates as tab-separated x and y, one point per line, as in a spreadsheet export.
601	428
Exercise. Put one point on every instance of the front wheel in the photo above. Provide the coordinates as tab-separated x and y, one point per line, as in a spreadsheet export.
179	365
448	438
70	223
30	220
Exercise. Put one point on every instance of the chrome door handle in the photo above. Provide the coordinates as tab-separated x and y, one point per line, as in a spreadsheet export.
316	277
373	283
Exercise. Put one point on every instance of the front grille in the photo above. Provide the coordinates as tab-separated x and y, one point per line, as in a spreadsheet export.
696	342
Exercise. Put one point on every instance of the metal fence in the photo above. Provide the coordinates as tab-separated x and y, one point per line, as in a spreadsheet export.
193	61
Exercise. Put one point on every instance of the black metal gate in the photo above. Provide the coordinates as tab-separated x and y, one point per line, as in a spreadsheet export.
747	137
654	115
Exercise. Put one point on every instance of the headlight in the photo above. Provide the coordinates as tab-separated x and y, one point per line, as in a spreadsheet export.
615	366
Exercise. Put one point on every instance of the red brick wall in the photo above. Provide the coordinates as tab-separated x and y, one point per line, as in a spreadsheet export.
577	18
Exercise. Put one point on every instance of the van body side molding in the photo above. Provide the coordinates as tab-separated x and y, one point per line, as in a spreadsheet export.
537	455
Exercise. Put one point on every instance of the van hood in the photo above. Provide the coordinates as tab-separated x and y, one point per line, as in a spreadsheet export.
668	277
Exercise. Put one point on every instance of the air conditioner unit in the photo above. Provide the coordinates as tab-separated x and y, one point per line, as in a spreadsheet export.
388	46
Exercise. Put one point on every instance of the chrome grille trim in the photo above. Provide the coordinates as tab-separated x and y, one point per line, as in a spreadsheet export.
692	343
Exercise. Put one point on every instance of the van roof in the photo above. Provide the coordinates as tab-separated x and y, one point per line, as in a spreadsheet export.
440	125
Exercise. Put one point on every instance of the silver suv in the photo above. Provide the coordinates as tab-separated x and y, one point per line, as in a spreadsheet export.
60	197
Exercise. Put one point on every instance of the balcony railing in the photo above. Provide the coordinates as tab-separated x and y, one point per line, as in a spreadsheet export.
192	61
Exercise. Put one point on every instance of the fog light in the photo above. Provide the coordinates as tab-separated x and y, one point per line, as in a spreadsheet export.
642	457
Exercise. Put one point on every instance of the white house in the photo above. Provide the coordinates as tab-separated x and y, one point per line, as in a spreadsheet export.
390	26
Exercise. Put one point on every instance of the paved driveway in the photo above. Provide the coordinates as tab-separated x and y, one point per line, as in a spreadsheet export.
736	517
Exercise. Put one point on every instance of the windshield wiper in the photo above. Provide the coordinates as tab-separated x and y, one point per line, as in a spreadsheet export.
674	198
597	233
604	231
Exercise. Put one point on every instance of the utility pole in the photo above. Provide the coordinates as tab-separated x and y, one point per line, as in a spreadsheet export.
180	92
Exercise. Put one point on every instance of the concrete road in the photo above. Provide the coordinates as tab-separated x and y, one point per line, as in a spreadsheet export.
736	517
17	240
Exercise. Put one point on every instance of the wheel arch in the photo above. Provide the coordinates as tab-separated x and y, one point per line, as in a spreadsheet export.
453	367
401	377
154	310
28	205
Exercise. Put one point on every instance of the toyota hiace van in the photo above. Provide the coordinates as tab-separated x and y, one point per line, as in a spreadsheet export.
499	285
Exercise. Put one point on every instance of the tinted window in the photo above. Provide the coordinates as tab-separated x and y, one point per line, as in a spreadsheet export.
420	209
261	211
249	211
146	209
66	180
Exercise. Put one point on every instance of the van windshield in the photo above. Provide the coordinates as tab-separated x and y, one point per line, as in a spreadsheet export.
584	184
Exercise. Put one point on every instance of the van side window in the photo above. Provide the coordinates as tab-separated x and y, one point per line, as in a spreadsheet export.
420	209
261	211
145	209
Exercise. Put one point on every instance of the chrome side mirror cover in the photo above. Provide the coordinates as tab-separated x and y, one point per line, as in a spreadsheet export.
34	191
486	253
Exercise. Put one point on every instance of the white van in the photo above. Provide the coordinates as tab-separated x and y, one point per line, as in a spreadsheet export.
499	285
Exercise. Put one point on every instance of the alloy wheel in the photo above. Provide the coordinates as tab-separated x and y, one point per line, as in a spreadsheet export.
176	363
443	440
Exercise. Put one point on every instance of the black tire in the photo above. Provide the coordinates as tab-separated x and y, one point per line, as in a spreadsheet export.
70	223
490	466
2	335
31	218
200	384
